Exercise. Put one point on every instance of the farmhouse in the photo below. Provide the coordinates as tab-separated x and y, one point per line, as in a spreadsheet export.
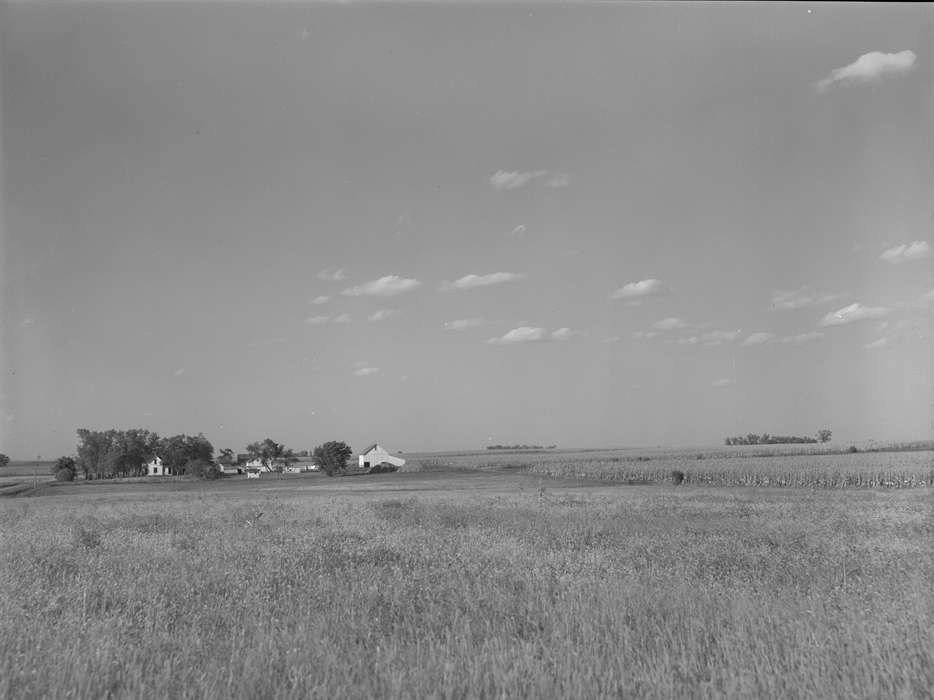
375	454
155	467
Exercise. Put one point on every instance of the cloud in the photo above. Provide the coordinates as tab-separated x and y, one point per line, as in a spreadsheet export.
474	281
332	274
799	298
178	372
364	371
644	335
908	252
758	339
870	67
641	289
320	300
801	338
877	344
612	339
313	320
565	334
852	313
383	287
518	230
723	382
342	318
382	314
523	334
927	297
713	338
318	320
462	323
670	324
505	180
558	180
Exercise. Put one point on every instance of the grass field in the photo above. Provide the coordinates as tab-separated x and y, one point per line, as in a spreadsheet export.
488	582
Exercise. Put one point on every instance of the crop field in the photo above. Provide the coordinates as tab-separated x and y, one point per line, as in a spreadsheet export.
787	466
492	582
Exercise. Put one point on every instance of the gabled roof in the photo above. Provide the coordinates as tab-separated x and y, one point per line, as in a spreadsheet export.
370	448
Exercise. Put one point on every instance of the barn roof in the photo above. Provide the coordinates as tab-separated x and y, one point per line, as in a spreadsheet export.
370	448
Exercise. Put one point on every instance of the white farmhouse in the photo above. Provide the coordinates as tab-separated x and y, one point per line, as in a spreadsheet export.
375	454
156	468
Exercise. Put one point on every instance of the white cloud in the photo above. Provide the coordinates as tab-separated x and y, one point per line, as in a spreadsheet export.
317	319
564	334
877	344
670	324
506	180
799	298
342	318
713	338
758	339
559	180
641	289
518	230
332	274
178	372
852	313
383	287
927	297
644	335
523	334
320	300
382	314
801	338
869	67
723	382
474	281
462	323
612	339
364	371
908	252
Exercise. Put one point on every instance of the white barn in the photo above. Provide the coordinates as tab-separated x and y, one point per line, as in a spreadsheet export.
375	454
156	468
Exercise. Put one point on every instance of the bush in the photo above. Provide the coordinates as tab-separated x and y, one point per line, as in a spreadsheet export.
383	468
65	475
331	457
202	469
677	477
4	460
852	449
64	469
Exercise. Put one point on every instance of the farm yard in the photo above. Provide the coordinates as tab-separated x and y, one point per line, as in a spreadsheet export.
508	575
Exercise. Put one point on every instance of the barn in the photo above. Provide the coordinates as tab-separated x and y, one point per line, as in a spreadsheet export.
375	454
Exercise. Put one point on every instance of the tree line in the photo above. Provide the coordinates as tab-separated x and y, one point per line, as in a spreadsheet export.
766	439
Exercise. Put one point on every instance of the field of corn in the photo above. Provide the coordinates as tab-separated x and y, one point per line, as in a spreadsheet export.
808	466
465	584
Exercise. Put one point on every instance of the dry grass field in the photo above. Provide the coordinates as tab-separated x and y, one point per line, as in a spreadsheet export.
467	583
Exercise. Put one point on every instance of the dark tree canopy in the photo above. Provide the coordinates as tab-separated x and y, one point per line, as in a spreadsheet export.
64	469
332	457
4	460
272	453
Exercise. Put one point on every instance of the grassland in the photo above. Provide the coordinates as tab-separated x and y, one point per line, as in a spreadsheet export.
468	583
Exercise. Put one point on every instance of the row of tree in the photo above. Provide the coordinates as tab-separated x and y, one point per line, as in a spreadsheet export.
766	439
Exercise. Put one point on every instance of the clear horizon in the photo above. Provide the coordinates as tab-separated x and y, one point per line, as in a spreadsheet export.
444	226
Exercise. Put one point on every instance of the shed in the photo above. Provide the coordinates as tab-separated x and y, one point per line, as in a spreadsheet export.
375	454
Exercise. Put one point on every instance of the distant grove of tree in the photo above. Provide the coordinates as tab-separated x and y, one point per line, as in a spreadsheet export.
104	454
766	439
520	447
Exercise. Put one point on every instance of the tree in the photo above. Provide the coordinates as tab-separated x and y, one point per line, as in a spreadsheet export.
4	460
824	435
273	454
202	469
226	456
178	450
331	457
64	469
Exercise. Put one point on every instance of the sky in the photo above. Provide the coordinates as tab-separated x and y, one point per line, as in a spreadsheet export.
448	225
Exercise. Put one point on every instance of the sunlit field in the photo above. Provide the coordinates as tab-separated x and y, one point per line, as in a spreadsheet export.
466	583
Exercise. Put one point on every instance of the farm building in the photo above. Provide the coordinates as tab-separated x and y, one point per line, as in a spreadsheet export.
252	473
375	454
156	468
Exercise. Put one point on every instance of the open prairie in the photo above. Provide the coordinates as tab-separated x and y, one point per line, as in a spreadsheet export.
492	582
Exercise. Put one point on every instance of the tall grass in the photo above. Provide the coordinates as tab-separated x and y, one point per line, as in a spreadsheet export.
539	593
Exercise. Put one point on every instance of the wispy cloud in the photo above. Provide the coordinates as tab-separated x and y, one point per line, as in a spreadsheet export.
927	297
518	230
565	334
178	372
474	281
462	323
908	252
332	274
641	290
868	68
523	334
644	335
612	339
851	314
802	297
383	287
320	300
877	344
671	324
758	339
711	338
514	179
801	338
318	320
341	318
382	314
720	383
365	371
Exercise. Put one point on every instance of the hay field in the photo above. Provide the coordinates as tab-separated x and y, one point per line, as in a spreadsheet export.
477	583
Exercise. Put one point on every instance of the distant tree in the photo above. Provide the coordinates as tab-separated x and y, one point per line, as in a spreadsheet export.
178	450
4	460
64	469
273	454
202	469
227	456
824	435
332	457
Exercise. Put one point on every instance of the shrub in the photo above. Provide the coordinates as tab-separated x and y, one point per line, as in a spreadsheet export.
383	468
65	475
202	469
64	469
677	477
4	460
332	457
852	449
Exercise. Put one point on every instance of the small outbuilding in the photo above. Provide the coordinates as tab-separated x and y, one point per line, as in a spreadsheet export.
156	467
252	473
375	454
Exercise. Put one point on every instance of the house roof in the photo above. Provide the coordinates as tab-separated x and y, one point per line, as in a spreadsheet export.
370	448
